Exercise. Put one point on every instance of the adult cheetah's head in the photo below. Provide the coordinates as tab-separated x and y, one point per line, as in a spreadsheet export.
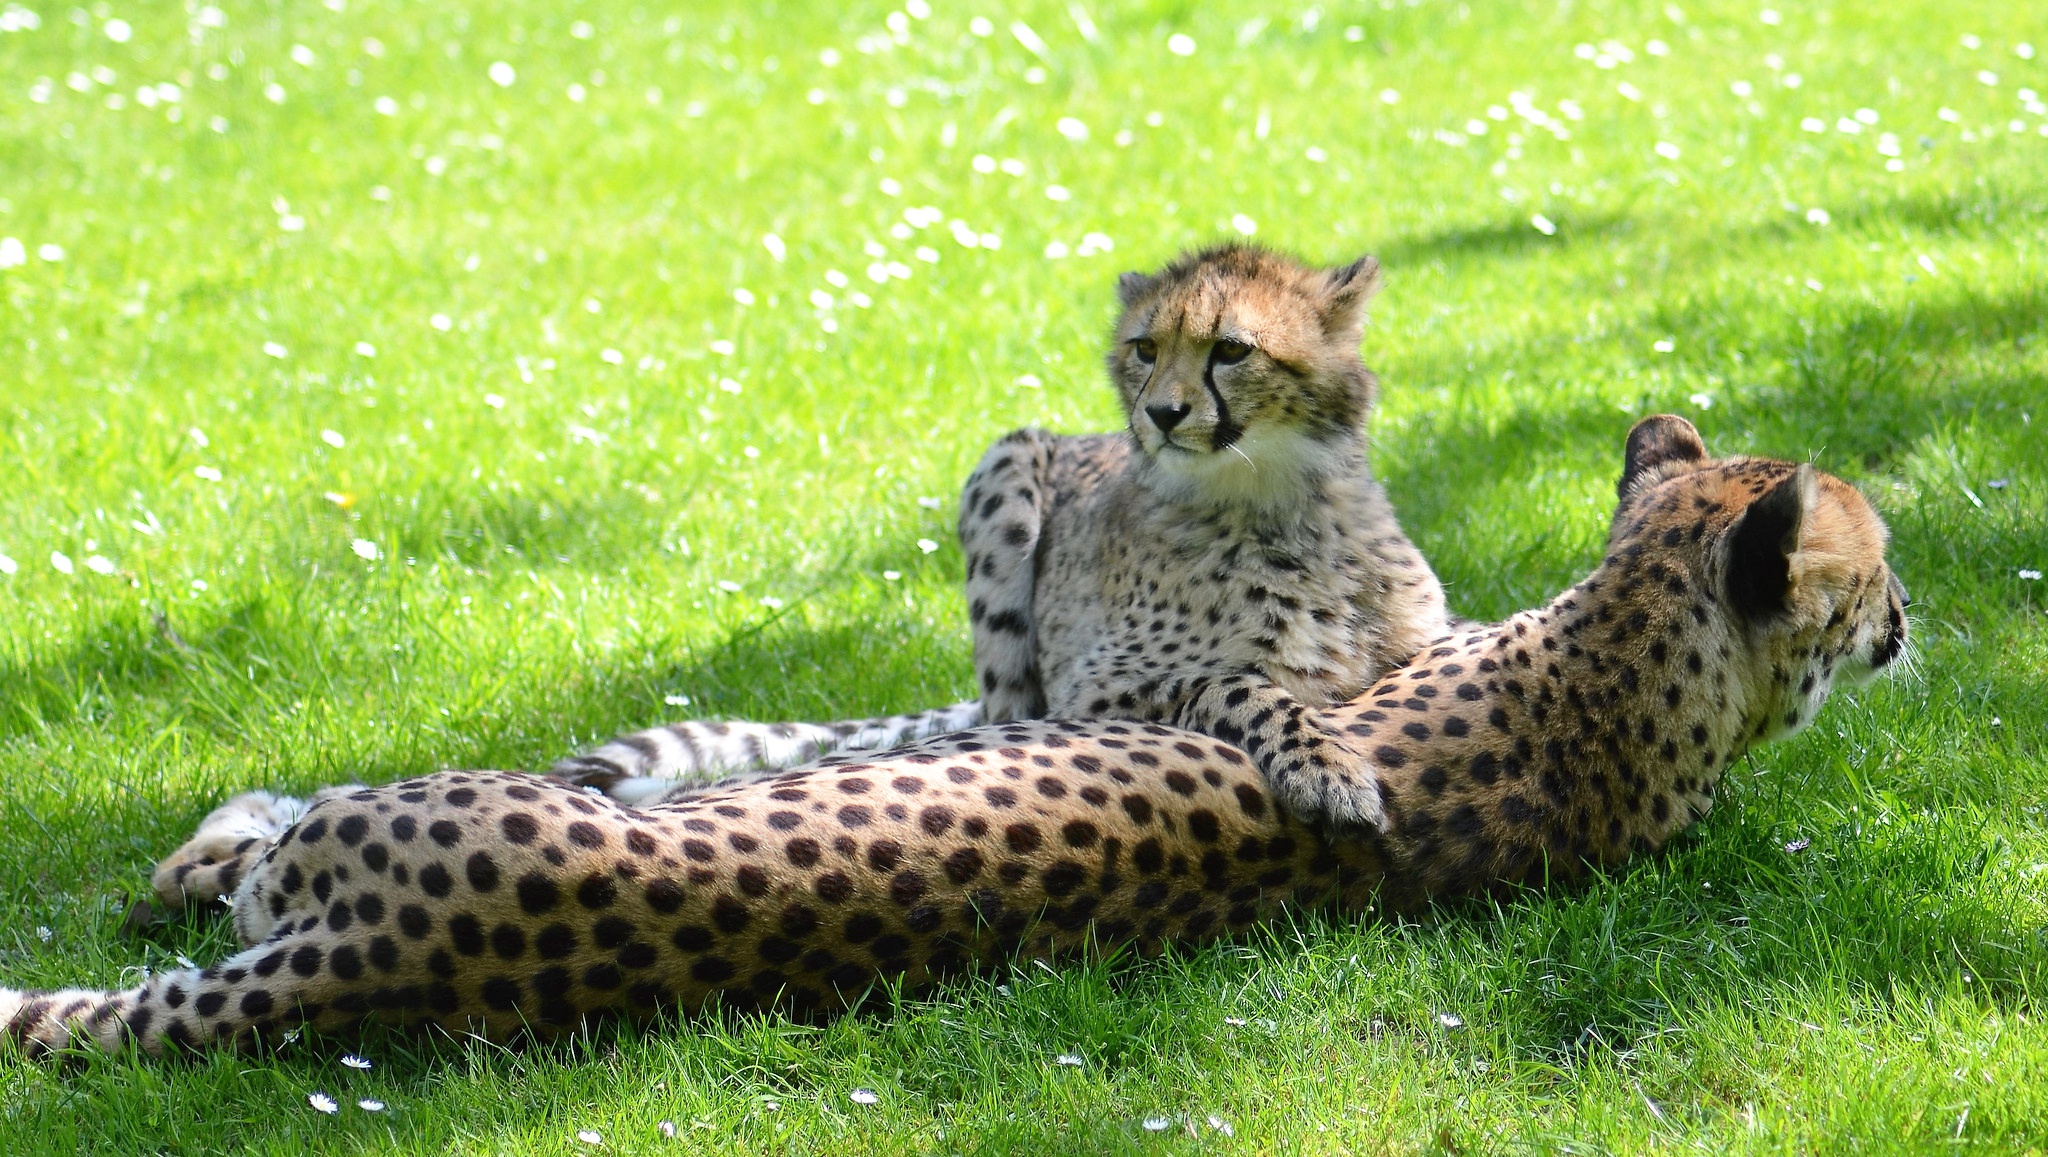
1239	370
1792	558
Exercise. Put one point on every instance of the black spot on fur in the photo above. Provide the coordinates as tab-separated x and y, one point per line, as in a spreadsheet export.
538	894
435	881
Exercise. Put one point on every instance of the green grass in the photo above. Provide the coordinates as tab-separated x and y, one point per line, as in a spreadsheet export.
552	526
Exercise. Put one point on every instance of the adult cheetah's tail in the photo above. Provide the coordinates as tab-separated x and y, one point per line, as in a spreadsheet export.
257	994
636	768
264	990
45	1022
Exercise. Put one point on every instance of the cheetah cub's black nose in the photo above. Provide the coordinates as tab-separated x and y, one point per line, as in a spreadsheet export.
1167	417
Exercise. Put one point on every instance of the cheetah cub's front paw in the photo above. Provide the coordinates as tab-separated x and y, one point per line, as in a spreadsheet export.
1327	783
211	864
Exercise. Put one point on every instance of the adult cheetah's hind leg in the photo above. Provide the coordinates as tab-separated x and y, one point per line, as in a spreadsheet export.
1002	517
211	864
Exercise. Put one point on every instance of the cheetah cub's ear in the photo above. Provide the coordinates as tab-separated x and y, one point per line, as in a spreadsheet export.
1655	441
1762	541
1132	287
1346	289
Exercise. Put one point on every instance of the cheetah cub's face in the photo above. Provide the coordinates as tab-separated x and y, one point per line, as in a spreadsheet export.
1801	566
1239	371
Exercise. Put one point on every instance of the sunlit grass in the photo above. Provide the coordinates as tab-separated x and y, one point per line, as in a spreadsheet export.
368	408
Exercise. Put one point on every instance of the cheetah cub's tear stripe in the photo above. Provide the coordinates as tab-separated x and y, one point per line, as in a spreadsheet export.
1228	564
1733	595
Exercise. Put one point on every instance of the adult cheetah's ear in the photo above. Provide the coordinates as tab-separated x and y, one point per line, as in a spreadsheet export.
1132	286
1655	440
1346	289
1762	541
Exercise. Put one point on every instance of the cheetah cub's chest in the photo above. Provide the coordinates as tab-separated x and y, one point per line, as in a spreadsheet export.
1223	592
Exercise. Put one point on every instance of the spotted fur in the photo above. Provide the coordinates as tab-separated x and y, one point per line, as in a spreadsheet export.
1733	595
1228	564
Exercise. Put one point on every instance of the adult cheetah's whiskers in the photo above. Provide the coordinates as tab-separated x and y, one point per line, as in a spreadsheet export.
1909	668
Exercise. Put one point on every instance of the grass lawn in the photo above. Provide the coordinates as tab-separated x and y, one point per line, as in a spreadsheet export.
389	386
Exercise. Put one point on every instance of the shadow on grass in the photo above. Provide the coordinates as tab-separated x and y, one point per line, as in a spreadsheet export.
1861	384
134	652
1513	238
237	673
1944	213
478	526
1864	380
267	641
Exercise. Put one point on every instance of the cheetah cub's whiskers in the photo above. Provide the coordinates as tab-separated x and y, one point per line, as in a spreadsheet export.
1734	594
1228	564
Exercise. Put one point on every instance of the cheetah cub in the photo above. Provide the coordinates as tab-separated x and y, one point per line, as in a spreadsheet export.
1734	595
1227	565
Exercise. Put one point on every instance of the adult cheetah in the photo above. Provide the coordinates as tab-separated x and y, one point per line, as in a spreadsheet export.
1226	565
1733	595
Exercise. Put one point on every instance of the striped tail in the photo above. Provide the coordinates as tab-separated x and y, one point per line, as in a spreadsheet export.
262	991
253	996
44	1022
644	765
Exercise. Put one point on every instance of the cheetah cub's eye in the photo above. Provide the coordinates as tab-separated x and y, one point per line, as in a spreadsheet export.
1146	349
1229	353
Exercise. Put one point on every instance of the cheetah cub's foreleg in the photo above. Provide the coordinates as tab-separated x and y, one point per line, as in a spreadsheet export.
211	864
1309	766
1003	512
